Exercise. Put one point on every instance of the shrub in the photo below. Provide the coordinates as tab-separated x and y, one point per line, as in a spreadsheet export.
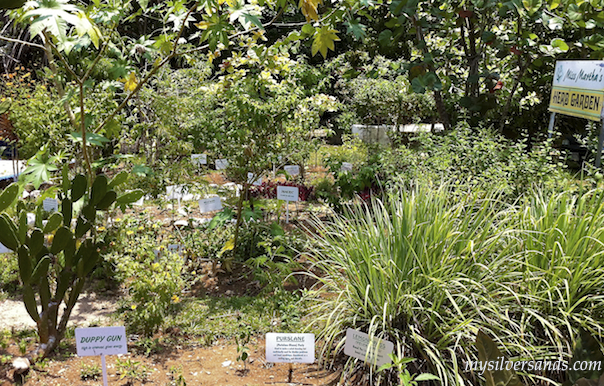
426	269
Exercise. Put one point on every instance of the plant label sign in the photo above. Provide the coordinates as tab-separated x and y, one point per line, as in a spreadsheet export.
346	167
210	204
292	170
50	205
176	192
287	193
101	341
357	345
222	164
199	159
290	348
251	179
4	249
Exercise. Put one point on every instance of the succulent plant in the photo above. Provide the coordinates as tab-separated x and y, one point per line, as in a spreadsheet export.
60	254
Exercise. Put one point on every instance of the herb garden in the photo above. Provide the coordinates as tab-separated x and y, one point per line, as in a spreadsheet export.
247	192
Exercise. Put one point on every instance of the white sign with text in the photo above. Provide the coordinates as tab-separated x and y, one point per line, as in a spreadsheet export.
199	159
210	204
292	170
287	193
357	344
290	348
101	341
222	164
346	167
50	205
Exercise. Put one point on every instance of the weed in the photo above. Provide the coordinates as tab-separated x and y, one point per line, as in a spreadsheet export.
92	372
131	370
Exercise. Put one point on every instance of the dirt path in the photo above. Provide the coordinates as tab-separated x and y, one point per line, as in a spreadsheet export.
90	309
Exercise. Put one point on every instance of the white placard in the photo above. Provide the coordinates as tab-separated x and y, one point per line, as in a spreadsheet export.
176	248
292	170
222	164
101	341
357	343
287	193
199	159
583	74
290	348
254	181
176	192
50	205
346	167
210	204
4	249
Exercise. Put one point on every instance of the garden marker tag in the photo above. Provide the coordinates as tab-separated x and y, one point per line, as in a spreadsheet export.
101	341
176	248
199	159
251	180
287	193
346	167
50	205
357	343
210	204
292	170
4	249
222	164
290	348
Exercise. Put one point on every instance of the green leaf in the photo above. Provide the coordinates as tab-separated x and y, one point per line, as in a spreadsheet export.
53	222
560	44
25	266
308	29
142	170
79	184
324	40
532	6
488	352
130	197
574	12
355	28
91	138
586	349
385	37
553	4
426	377
119	179
8	196
5	106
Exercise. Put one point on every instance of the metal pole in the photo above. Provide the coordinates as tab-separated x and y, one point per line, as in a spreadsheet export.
550	129
104	365
600	143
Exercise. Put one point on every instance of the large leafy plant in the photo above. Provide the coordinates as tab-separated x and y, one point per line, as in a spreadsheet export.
57	255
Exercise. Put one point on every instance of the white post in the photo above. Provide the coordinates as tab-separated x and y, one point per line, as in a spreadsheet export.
287	212
550	129
104	364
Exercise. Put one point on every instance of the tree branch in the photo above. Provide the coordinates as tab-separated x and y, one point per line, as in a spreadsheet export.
22	42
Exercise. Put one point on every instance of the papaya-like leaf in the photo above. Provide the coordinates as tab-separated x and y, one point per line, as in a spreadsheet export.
488	352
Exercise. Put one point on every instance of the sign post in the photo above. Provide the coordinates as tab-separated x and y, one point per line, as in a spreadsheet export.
290	348
578	91
101	341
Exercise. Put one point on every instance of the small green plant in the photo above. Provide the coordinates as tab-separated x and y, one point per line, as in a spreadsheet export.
178	378
92	372
404	376
242	341
23	343
131	370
